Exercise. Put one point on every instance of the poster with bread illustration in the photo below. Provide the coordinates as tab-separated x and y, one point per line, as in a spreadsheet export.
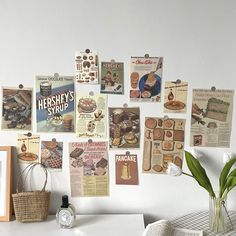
163	143
91	116
126	169
146	79
211	117
112	77
28	148
124	128
16	109
89	169
86	67
51	154
175	98
55	104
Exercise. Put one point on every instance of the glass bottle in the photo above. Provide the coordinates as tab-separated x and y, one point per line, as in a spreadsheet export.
65	215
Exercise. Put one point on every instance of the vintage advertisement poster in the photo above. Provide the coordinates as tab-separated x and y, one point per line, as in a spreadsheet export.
175	99
55	103
91	116
89	169
126	169
124	127
211	119
16	109
163	143
28	148
112	77
51	154
86	67
146	79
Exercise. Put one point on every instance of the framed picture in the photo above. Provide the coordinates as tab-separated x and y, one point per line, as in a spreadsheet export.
5	182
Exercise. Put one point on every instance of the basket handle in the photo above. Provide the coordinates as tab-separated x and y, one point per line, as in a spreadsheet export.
28	169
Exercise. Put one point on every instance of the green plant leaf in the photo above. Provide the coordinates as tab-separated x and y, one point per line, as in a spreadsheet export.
224	174
198	173
231	183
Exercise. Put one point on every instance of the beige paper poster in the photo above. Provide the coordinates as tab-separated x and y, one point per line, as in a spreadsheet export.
91	116
211	118
175	99
163	143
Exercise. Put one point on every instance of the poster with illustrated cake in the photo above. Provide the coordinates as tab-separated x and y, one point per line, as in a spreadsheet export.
124	128
91	116
55	103
112	77
146	79
211	117
163	143
51	154
89	169
16	109
86	67
175	99
126	169
28	148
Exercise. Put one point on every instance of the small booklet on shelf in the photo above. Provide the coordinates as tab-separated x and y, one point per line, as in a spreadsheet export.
164	228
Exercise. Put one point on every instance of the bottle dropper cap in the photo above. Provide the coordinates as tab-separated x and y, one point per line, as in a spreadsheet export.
65	202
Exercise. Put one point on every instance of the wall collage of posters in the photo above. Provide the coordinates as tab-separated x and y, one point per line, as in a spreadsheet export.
61	109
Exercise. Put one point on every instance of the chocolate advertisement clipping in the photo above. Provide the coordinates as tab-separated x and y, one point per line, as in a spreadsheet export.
89	169
126	169
146	79
28	148
211	117
51	154
124	128
16	109
55	103
86	67
163	143
112	77
91	116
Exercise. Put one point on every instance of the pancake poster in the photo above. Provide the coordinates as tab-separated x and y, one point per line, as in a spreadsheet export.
51	154
91	116
28	148
126	169
124	125
89	169
16	109
55	103
112	77
146	79
86	67
163	143
211	118
175	99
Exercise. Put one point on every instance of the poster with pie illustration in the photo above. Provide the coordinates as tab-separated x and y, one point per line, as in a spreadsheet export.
211	118
126	169
124	128
89	169
51	154
16	109
28	148
175	99
112	77
146	79
163	143
91	116
55	103
86	67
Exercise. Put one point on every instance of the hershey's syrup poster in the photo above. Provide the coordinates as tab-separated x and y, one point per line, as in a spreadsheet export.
55	103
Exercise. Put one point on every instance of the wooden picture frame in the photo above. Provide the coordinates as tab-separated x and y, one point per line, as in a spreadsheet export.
6	177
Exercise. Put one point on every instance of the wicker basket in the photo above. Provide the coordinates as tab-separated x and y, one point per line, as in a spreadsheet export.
33	205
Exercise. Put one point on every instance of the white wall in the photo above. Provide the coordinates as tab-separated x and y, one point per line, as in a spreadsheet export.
195	37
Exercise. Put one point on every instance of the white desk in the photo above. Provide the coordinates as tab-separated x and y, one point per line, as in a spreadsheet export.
86	225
